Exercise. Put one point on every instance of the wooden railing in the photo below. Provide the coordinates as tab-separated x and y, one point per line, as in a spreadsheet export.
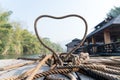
109	48
103	48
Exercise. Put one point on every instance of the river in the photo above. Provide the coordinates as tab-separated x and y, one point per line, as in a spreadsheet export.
14	56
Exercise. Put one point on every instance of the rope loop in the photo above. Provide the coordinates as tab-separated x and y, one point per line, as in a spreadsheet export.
62	17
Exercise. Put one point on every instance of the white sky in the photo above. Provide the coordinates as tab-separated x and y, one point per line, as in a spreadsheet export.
26	11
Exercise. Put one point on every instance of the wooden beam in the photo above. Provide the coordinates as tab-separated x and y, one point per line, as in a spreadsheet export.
93	40
107	39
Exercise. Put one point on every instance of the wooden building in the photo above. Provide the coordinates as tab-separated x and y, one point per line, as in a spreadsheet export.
72	44
105	34
104	39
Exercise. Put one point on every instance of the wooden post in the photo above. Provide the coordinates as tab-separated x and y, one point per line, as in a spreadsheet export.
94	42
107	39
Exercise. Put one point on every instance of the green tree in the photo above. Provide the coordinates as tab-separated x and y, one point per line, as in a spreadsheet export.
5	31
16	37
29	43
15	40
56	47
114	12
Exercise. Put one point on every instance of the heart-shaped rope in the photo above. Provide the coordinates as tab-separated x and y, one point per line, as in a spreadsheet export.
62	17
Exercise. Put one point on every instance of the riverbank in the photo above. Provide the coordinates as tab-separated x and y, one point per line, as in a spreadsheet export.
13	56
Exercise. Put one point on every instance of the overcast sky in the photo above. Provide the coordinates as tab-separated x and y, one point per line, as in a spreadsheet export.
26	11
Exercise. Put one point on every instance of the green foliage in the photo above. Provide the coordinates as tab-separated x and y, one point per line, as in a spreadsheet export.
114	12
15	40
56	47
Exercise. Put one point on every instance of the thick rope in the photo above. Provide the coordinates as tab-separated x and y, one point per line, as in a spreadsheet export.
83	39
112	67
41	63
96	71
51	78
55	71
48	16
82	66
98	75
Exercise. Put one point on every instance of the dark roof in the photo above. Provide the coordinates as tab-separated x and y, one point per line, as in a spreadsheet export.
74	42
76	39
107	24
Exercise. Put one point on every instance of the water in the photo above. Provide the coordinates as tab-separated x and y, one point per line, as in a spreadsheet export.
14	56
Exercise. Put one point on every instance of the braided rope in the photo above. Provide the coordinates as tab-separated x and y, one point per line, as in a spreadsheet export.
55	71
115	59
10	78
112	67
41	63
51	78
111	71
48	16
100	75
111	64
72	15
85	69
95	67
82	66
